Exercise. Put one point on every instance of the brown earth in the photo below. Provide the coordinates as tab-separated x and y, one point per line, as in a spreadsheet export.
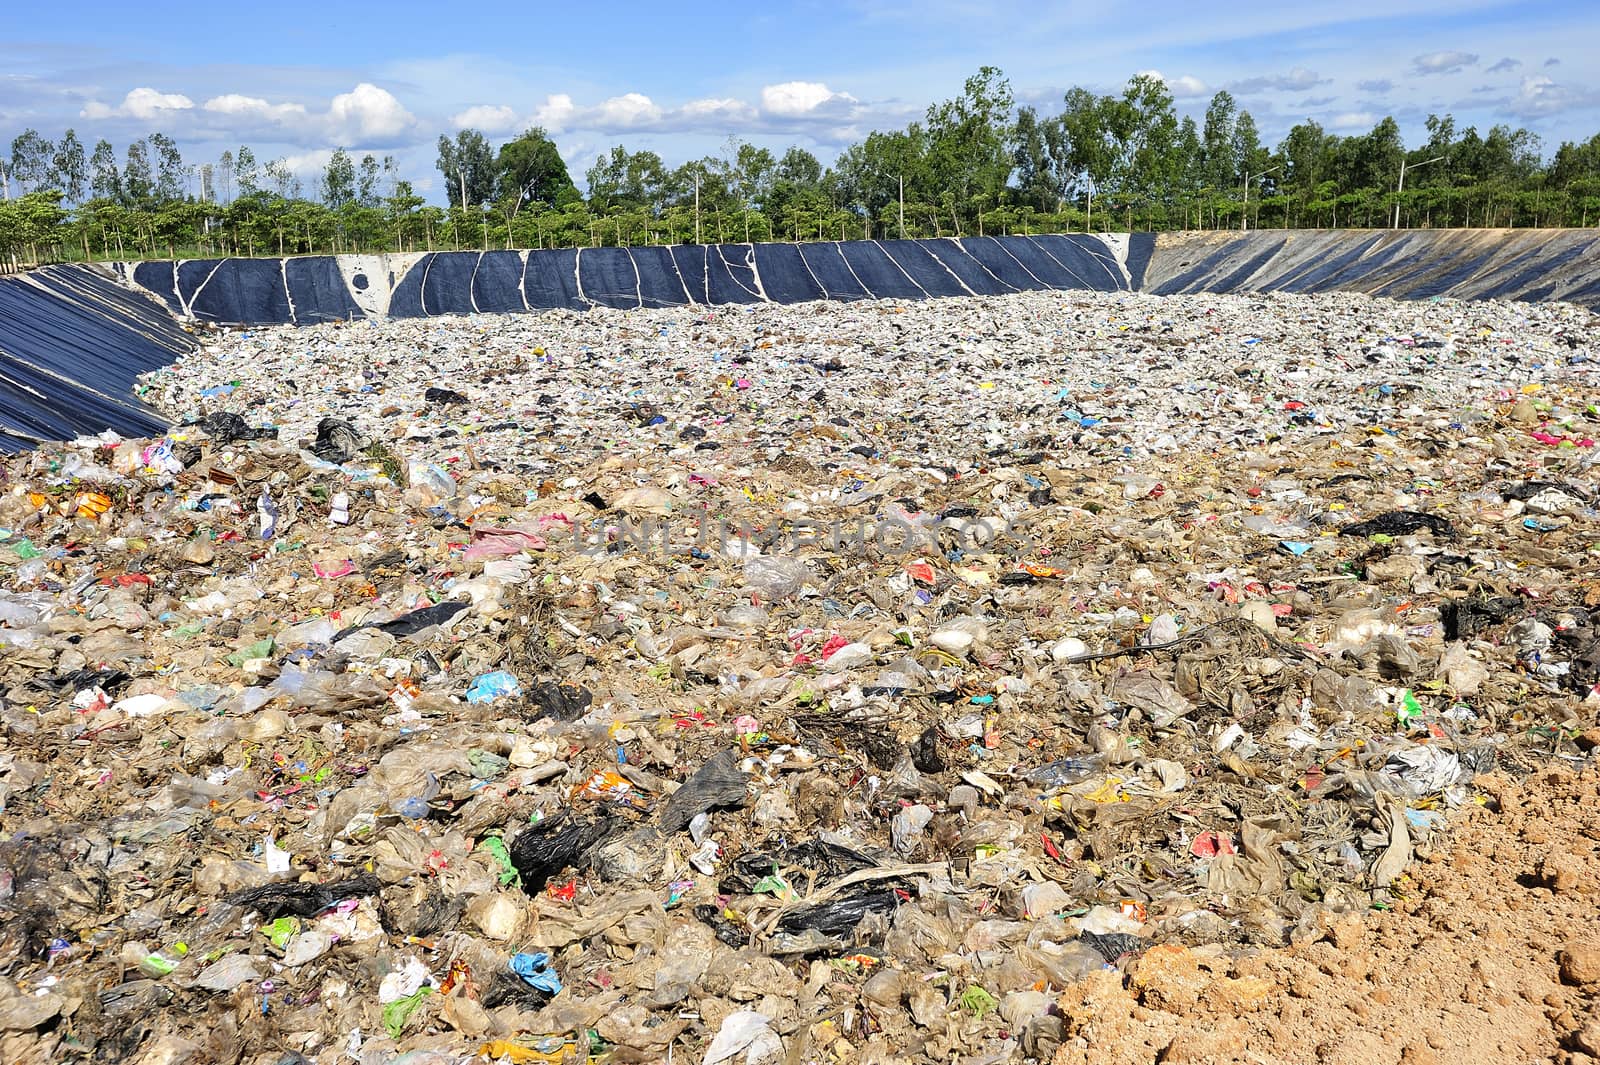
1492	955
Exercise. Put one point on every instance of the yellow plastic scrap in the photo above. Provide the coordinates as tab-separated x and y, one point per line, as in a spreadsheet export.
1110	791
93	504
504	1049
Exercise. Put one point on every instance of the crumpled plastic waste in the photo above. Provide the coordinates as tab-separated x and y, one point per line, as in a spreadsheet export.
742	683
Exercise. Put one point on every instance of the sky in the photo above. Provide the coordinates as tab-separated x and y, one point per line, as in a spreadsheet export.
295	79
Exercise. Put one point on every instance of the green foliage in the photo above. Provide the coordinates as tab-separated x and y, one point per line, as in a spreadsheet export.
975	163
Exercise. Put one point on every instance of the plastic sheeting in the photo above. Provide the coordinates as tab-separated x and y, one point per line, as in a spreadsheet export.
72	340
301	291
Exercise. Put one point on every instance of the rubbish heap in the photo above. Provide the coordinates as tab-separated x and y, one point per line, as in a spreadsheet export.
809	683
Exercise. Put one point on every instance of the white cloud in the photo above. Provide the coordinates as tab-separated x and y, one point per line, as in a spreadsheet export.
142	103
501	119
629	109
252	107
726	109
1505	64
1443	62
1354	120
798	99
308	165
1299	79
1381	86
368	113
1540	96
1186	87
557	111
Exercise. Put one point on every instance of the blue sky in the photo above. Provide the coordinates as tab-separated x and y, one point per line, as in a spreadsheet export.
295	79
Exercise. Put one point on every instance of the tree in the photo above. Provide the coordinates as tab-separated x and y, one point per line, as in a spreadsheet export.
1084	120
1307	158
367	182
631	181
137	181
225	177
244	168
1249	156
530	170
30	161
1036	182
1221	160
71	171
468	167
282	179
105	181
969	144
339	179
1141	129
170	176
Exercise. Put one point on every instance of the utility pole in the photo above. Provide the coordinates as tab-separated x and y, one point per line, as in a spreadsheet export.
1401	184
1244	208
902	207
697	206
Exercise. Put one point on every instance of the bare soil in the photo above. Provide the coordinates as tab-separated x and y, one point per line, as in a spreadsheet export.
1492	956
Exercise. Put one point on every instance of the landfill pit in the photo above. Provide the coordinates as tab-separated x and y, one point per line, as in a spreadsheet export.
1057	676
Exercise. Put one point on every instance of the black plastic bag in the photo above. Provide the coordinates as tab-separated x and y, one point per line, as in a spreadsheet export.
556	843
427	617
1113	945
1465	618
445	396
224	427
302	900
1399	523
564	702
726	931
337	441
506	987
717	783
925	754
839	917
819	859
111	681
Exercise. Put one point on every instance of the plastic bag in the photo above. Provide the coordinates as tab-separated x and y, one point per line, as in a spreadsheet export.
717	783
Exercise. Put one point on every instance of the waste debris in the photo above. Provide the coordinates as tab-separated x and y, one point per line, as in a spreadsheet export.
771	684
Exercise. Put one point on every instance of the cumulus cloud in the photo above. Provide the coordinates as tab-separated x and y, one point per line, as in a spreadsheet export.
1443	62
1186	87
368	113
800	99
501	119
1552	62
557	112
629	109
1299	79
1541	96
308	165
253	107
365	115
560	113
1376	85
1354	120
718	108
1317	101
142	103
1505	64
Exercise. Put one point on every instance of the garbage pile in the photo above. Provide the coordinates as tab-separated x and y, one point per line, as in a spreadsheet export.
774	684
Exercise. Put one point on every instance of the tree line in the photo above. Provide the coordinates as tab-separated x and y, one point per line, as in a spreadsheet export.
974	164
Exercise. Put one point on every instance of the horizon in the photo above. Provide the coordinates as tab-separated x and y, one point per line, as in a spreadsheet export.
298	94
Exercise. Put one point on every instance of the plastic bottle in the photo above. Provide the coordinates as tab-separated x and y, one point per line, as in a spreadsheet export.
1064	772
